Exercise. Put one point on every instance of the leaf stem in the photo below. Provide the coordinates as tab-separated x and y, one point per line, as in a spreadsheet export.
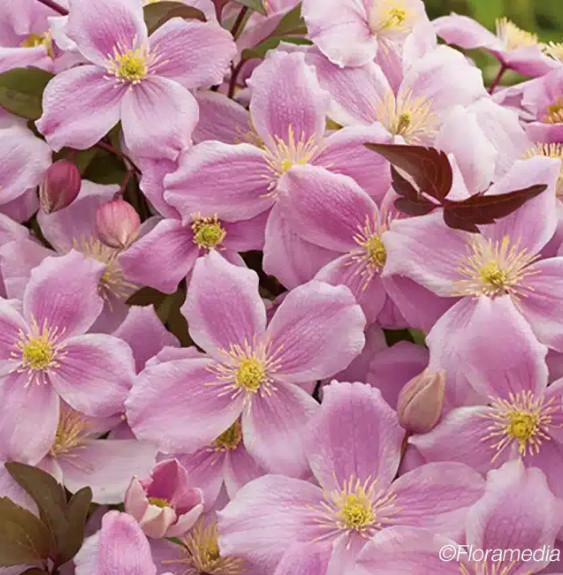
54	6
239	23
497	79
109	148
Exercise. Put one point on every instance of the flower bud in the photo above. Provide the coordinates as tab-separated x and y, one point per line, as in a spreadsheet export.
421	400
117	224
60	187
164	504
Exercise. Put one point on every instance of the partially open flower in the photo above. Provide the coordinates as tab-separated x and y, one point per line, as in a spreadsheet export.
60	187
420	402
164	504
117	224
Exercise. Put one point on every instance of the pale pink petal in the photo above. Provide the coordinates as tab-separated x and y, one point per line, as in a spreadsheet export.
12	324
274	428
95	374
355	434
181	392
437	496
288	257
152	183
305	559
194	54
22	208
239	469
223	307
218	178
107	467
17	259
286	100
303	328
465	32
550	456
100	28
145	334
246	235
324	208
24	57
62	294
158	117
29	415
266	516
205	468
162	258
79	108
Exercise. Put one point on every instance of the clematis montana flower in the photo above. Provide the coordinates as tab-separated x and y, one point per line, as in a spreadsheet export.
353	447
44	355
517	512
142	82
251	370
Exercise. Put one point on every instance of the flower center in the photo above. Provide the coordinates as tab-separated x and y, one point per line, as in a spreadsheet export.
208	232
250	374
389	16
554	112
159	502
550	151
71	432
408	116
356	512
229	439
376	251
371	255
494	268
521	418
129	65
37	352
34	40
514	37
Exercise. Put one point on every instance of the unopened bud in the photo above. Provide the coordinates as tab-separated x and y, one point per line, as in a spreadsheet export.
117	224
60	187
420	402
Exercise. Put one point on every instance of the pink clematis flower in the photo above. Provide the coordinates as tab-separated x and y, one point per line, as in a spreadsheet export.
350	32
354	451
164	504
250	369
515	48
517	512
44	355
142	82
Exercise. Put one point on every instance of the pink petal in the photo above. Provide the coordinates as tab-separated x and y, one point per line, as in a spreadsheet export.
205	468
465	32
305	559
437	496
324	208
158	117
355	434
286	100
303	329
218	178
162	258
29	415
180	392
11	326
106	466
24	57
266	516
239	469
246	235
95	374
98	29
62	294
194	54
274	428
223	307
145	334
79	108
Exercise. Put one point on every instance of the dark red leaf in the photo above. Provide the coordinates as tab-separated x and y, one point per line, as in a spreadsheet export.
402	186
413	207
429	168
483	209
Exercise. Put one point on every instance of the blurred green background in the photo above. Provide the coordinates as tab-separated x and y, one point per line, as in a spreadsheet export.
544	17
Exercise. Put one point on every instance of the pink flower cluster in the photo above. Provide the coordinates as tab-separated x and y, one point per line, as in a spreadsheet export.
253	358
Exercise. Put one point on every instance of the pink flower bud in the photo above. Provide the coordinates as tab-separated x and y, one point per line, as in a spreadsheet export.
60	187
164	504
117	224
421	400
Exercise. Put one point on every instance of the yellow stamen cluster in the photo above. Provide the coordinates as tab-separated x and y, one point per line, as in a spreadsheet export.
200	554
550	151
358	507
208	232
408	116
486	568
229	439
494	268
554	112
159	502
514	37
554	50
129	65
390	17
71	432
371	254
521	418
34	40
38	351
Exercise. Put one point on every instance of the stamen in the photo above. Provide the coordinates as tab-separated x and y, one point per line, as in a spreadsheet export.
132	64
514	37
554	50
486	568
159	502
230	439
208	232
550	151
371	254
71	432
554	112
45	39
390	17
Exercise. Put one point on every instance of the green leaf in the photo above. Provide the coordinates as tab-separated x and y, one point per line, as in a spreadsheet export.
76	514
270	44
292	24
255	5
487	12
24	538
21	91
159	13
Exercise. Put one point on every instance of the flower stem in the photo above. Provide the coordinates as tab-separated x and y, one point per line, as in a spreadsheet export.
497	79
54	6
239	23
235	70
109	148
